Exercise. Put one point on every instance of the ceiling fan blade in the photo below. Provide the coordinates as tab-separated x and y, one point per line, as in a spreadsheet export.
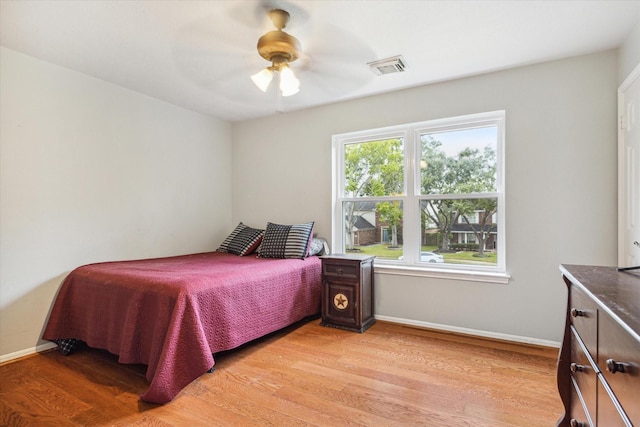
334	62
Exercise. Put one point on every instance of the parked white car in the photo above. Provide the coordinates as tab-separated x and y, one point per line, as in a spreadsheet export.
431	257
428	257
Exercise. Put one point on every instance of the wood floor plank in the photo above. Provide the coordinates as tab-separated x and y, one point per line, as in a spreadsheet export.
305	375
19	417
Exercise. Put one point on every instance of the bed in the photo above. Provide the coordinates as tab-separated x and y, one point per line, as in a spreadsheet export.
173	314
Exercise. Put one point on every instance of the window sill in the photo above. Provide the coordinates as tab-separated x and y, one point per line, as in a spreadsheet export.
469	276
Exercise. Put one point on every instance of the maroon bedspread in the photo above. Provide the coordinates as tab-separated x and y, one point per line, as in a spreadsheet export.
171	314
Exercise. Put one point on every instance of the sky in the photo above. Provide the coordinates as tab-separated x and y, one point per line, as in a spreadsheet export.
455	141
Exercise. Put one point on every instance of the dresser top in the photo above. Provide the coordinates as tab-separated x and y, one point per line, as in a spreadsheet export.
616	291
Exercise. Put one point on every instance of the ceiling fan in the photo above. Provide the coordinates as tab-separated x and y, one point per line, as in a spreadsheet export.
332	64
280	49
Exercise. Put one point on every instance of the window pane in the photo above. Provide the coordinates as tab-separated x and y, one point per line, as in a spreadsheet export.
373	228
463	231
448	176
458	162
374	168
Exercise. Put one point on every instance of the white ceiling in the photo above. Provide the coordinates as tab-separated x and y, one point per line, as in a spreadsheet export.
200	54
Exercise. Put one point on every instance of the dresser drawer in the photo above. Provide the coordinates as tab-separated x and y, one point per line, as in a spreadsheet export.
577	414
347	270
584	374
576	411
584	317
619	360
608	413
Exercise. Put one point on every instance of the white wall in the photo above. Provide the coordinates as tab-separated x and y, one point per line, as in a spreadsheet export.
91	172
560	185
629	54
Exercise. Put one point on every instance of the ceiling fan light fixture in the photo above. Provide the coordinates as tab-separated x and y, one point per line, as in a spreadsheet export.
263	78
280	49
289	84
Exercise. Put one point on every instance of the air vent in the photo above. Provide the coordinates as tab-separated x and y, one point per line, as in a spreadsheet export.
395	64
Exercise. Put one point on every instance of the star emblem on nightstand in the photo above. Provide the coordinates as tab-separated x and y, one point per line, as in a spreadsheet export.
340	301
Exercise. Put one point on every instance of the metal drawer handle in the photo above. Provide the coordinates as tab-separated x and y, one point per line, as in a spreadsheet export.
576	423
577	313
340	271
574	367
613	366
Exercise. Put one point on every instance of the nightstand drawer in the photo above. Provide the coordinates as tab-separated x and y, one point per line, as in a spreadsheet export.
345	270
619	359
584	317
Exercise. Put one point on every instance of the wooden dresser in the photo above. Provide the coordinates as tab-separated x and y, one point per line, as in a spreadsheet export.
599	362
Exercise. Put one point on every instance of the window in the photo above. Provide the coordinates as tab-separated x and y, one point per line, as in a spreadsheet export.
424	197
469	218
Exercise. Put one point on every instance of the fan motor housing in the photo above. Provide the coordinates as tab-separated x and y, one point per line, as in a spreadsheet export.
276	44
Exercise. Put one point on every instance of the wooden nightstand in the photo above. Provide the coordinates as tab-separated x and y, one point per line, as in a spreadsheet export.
347	292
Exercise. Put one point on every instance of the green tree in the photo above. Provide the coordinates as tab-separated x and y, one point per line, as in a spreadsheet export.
470	171
438	177
391	213
481	177
374	168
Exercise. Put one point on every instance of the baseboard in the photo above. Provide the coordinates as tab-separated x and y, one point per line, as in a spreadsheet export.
471	332
26	352
437	326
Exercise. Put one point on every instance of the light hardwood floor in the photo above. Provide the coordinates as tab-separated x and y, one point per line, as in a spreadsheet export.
392	375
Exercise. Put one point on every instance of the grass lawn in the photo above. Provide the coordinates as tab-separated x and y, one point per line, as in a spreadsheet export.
383	251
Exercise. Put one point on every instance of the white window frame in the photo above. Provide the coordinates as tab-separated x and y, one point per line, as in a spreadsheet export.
410	133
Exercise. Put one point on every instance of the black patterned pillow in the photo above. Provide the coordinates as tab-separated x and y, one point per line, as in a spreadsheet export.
242	241
68	346
286	241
